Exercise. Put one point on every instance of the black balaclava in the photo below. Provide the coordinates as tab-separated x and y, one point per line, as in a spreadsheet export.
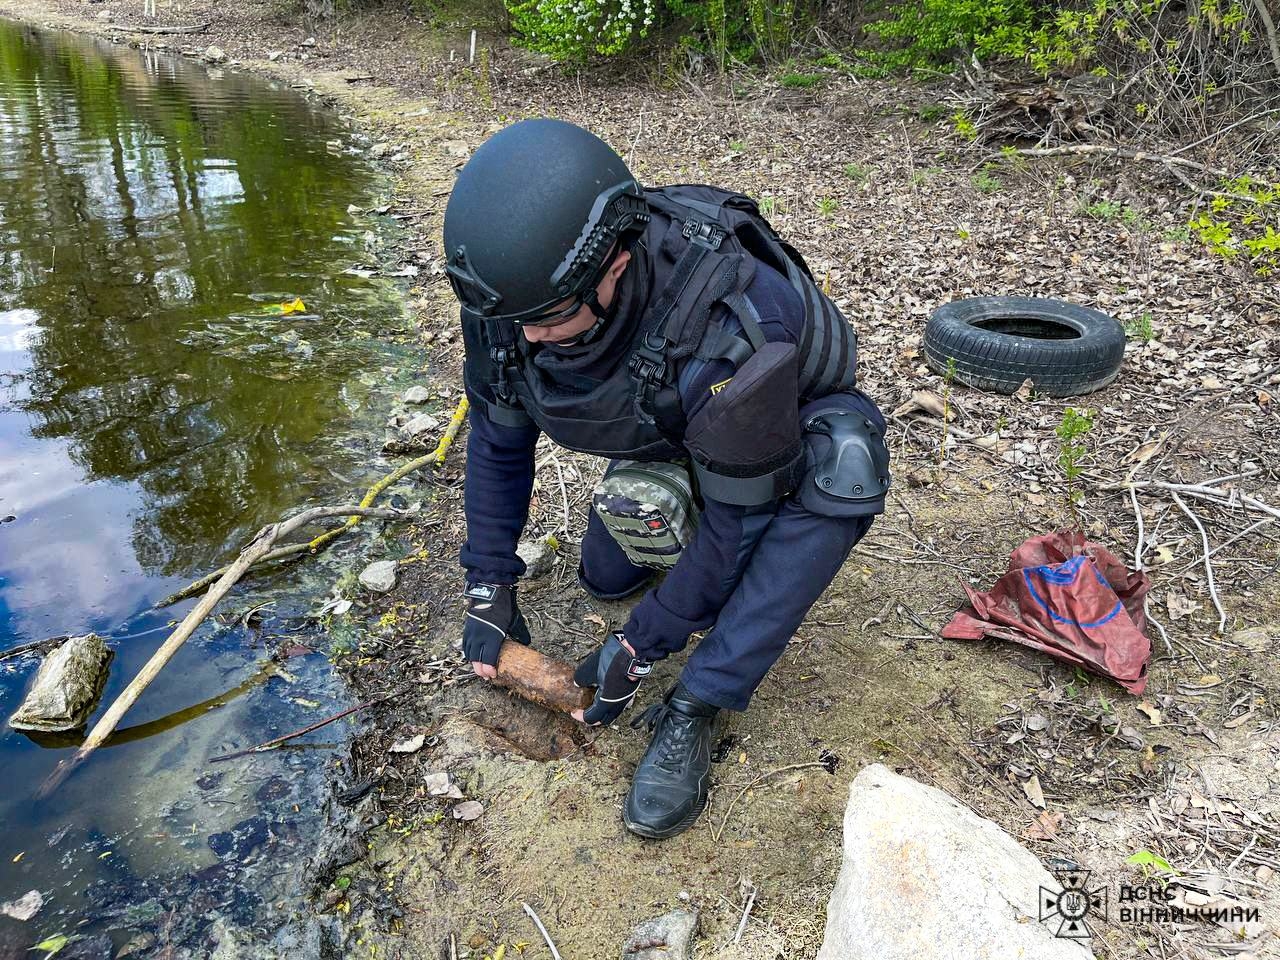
582	365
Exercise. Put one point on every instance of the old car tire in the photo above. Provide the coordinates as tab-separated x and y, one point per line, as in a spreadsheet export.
999	342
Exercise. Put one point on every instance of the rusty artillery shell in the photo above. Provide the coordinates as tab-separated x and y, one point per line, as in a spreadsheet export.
546	682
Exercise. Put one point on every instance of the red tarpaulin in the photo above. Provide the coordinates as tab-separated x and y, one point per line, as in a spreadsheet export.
1072	599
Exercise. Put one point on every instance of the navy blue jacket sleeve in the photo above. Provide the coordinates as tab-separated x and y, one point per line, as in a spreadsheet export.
499	482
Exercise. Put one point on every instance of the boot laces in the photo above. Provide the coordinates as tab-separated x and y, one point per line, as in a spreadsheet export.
673	738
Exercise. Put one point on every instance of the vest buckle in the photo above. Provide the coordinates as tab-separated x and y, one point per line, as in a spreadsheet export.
703	232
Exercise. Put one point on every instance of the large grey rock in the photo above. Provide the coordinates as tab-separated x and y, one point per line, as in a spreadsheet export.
668	937
67	686
214	55
379	576
925	878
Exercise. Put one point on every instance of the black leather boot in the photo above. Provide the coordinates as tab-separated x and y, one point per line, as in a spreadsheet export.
669	789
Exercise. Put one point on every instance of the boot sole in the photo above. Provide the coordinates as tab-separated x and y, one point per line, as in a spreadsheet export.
651	834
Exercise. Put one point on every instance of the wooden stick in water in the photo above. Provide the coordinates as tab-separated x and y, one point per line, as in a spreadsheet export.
259	546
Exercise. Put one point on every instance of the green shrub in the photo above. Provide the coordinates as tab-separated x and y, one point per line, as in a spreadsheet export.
574	29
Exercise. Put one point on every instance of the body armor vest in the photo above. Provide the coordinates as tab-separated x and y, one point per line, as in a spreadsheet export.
635	412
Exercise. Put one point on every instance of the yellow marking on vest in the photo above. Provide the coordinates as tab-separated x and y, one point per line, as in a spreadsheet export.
717	387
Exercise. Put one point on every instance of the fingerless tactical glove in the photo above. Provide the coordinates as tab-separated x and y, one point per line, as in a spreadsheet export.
616	673
492	616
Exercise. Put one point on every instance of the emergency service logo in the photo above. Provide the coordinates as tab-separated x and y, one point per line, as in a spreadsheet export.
1073	905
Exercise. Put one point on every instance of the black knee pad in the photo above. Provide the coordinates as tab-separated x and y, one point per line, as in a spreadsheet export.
846	462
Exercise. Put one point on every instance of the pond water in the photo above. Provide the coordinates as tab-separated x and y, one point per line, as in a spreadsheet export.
157	406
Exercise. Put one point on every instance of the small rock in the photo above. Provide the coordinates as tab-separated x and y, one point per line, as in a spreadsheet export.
421	424
67	686
468	810
439	785
25	907
537	556
214	55
379	576
309	42
411	745
1037	721
668	937
274	55
416	394
104	15
379	150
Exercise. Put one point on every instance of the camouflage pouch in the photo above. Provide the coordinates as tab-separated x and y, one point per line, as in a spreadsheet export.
649	508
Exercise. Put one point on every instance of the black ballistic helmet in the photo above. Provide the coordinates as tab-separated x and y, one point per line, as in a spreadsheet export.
532	217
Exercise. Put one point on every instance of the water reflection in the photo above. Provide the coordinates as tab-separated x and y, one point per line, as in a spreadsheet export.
139	216
153	413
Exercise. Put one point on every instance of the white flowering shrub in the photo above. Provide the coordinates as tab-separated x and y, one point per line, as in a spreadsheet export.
575	29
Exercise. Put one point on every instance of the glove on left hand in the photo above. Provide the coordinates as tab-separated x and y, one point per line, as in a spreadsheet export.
615	671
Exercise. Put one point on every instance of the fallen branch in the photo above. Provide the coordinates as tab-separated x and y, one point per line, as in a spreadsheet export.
435	458
263	747
555	954
1137	565
33	647
746	915
1125	152
193	28
1269	26
1208	564
257	548
1215	494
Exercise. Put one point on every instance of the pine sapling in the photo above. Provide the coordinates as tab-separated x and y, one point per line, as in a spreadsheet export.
1070	430
948	378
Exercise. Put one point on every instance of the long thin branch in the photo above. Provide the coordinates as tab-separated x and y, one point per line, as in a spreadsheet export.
1137	563
1270	26
756	782
1231	126
262	747
257	548
1126	152
33	647
193	28
537	922
1208	564
1216	494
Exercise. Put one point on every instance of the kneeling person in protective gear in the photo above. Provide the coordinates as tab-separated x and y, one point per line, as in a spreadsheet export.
663	331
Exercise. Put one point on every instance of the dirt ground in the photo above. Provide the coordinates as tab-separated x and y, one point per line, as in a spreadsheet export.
1187	771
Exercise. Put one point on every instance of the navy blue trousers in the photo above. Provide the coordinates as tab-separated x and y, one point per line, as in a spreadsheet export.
793	556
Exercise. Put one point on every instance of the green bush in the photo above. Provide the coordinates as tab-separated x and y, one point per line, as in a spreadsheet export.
724	29
575	29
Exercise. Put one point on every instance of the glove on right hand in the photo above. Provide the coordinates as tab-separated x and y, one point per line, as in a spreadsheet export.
615	671
492	616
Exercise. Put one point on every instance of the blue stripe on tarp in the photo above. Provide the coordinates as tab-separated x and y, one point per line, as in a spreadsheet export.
1063	574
